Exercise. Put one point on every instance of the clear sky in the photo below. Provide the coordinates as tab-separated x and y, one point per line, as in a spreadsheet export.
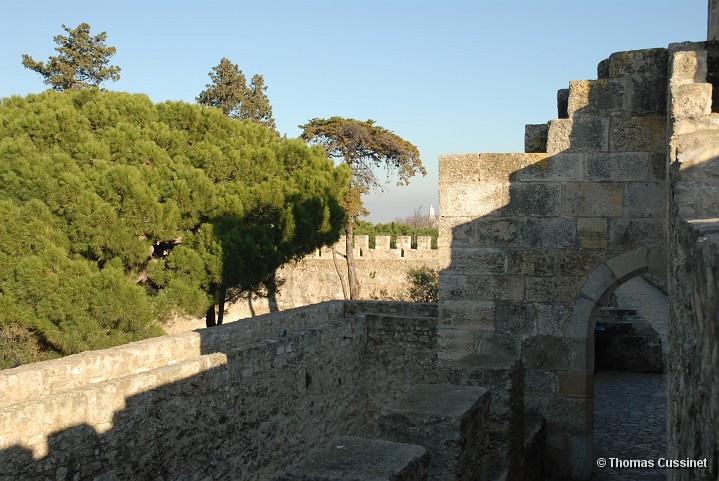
450	76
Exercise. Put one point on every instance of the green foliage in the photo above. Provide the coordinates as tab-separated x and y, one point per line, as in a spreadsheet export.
362	146
83	60
423	284
394	229
118	212
230	93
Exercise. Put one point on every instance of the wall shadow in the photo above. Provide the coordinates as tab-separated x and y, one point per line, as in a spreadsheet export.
539	241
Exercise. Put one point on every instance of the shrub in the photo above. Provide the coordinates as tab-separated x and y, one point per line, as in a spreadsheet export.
423	284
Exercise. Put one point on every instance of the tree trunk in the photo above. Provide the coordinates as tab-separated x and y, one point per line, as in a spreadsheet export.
339	274
272	292
210	318
351	270
221	295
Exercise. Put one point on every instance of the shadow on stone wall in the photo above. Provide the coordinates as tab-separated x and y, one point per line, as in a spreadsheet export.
539	241
263	394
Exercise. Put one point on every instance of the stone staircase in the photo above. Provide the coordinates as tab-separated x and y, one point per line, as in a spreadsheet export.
624	110
470	429
431	432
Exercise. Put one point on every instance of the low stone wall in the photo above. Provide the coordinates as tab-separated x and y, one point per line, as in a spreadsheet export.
244	401
693	374
693	380
382	273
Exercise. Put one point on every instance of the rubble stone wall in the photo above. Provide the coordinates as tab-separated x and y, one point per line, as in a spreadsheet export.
693	377
247	399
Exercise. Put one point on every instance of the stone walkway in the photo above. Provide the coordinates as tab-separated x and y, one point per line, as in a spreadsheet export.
630	408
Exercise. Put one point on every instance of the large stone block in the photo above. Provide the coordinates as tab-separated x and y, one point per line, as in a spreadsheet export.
600	284
642	199
558	136
533	199
637	134
629	233
547	232
645	62
551	319
516	318
547	353
579	263
594	97
361	243
450	421
592	232
593	199
452	285
462	168
589	134
535	137
480	260
540	381
467	313
492	288
691	100
532	262
456	231
688	67
583	134
552	289
455	343
500	167
473	200
551	168
500	232
362	459
629	264
647	95
622	167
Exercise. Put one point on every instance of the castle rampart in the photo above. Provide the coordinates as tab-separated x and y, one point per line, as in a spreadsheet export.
532	244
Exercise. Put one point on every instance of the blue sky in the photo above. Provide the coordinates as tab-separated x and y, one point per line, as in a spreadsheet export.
450	76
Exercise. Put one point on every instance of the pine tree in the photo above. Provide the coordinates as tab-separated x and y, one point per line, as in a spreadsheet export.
118	212
362	146
230	93
83	60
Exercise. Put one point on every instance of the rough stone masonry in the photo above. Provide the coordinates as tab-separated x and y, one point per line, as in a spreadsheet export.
623	182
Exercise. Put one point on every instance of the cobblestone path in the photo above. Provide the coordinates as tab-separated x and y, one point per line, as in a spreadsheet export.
630	408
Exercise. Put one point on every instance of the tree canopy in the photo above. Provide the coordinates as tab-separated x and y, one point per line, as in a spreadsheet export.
230	93
118	212
83	60
363	147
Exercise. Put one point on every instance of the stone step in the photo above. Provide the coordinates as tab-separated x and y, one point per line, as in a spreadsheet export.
503	376
653	61
535	138
450	421
358	459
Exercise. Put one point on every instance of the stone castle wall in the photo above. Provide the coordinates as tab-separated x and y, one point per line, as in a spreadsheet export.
538	241
531	245
693	377
240	401
382	273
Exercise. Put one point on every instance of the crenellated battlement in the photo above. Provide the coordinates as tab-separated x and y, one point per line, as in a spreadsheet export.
382	249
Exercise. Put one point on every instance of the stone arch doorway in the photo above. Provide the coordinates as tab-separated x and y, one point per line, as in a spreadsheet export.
599	286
